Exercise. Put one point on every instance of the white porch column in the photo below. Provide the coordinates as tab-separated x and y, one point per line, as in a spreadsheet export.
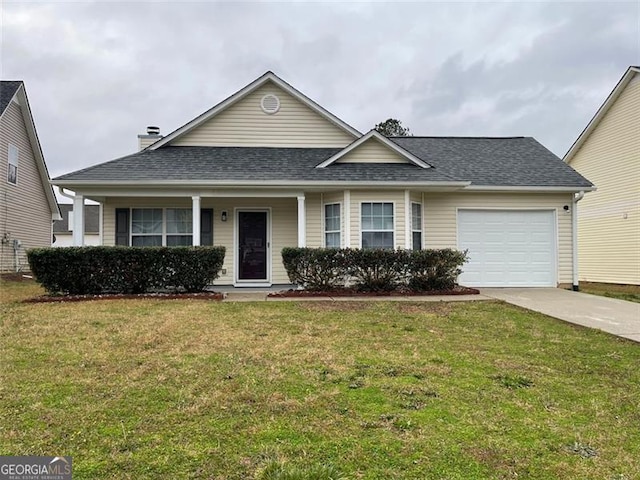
302	224
196	220
347	218
78	220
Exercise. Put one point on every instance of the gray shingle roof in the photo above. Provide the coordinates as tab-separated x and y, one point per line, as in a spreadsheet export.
91	219
512	161
8	89
482	161
247	164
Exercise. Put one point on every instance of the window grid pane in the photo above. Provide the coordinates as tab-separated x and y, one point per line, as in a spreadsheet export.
146	221
377	226
179	220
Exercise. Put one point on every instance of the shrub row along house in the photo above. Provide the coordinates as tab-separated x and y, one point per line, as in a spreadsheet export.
28	205
269	168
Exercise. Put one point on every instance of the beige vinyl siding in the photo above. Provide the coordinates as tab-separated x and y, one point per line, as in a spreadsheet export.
283	225
396	197
372	151
440	217
313	213
245	124
25	214
609	218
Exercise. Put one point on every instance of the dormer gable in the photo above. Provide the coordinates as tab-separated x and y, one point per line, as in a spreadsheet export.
374	148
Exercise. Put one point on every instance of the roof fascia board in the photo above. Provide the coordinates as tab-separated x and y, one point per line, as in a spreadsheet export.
37	152
372	134
523	189
186	184
604	108
242	93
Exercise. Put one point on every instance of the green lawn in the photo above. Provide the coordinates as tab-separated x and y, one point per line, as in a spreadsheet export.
181	389
631	293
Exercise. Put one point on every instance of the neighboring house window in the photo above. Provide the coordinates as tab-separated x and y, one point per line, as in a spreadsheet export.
179	226
146	227
12	173
377	225
332	225
416	226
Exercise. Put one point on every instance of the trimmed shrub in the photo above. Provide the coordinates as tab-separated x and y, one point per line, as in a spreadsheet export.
316	269
435	269
96	270
325	269
376	270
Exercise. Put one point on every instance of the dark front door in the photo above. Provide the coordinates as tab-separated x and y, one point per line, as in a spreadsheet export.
252	245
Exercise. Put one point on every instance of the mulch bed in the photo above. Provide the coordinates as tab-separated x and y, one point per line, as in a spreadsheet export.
119	296
348	292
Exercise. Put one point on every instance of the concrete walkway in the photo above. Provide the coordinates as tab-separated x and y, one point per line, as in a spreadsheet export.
618	317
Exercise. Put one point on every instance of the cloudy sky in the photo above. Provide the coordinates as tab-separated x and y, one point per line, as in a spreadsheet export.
97	73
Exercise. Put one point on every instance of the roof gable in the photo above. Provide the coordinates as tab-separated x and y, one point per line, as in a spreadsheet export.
631	73
240	120
20	96
374	148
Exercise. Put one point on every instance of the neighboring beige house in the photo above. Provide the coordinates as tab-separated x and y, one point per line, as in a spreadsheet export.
63	229
27	202
268	168
608	153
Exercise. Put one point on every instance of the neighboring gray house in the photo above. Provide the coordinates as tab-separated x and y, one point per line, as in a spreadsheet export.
27	203
63	229
268	168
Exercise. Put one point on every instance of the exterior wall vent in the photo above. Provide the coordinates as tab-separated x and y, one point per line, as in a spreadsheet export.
270	104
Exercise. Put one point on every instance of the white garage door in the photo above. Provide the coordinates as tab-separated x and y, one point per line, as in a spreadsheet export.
508	248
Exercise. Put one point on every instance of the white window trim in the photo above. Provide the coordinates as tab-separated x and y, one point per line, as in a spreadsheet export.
393	232
164	225
413	227
324	224
13	148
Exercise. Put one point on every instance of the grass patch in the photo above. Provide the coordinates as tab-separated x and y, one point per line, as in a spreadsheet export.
631	293
142	389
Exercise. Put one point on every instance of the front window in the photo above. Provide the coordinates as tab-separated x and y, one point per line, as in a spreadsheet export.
416	226
376	224
154	227
12	172
332	225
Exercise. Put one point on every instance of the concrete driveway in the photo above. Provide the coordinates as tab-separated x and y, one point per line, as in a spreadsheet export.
618	317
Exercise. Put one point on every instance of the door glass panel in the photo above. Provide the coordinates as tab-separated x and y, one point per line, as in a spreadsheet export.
252	245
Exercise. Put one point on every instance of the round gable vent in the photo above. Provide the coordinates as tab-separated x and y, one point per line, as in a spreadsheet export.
270	104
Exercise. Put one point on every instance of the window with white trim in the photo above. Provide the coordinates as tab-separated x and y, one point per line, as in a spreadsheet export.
416	226
376	225
154	227
12	170
332	225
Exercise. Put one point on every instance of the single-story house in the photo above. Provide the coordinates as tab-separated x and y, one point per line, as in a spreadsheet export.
268	168
28	205
608	152
63	229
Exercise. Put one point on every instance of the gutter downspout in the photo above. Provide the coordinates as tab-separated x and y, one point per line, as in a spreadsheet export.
574	239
